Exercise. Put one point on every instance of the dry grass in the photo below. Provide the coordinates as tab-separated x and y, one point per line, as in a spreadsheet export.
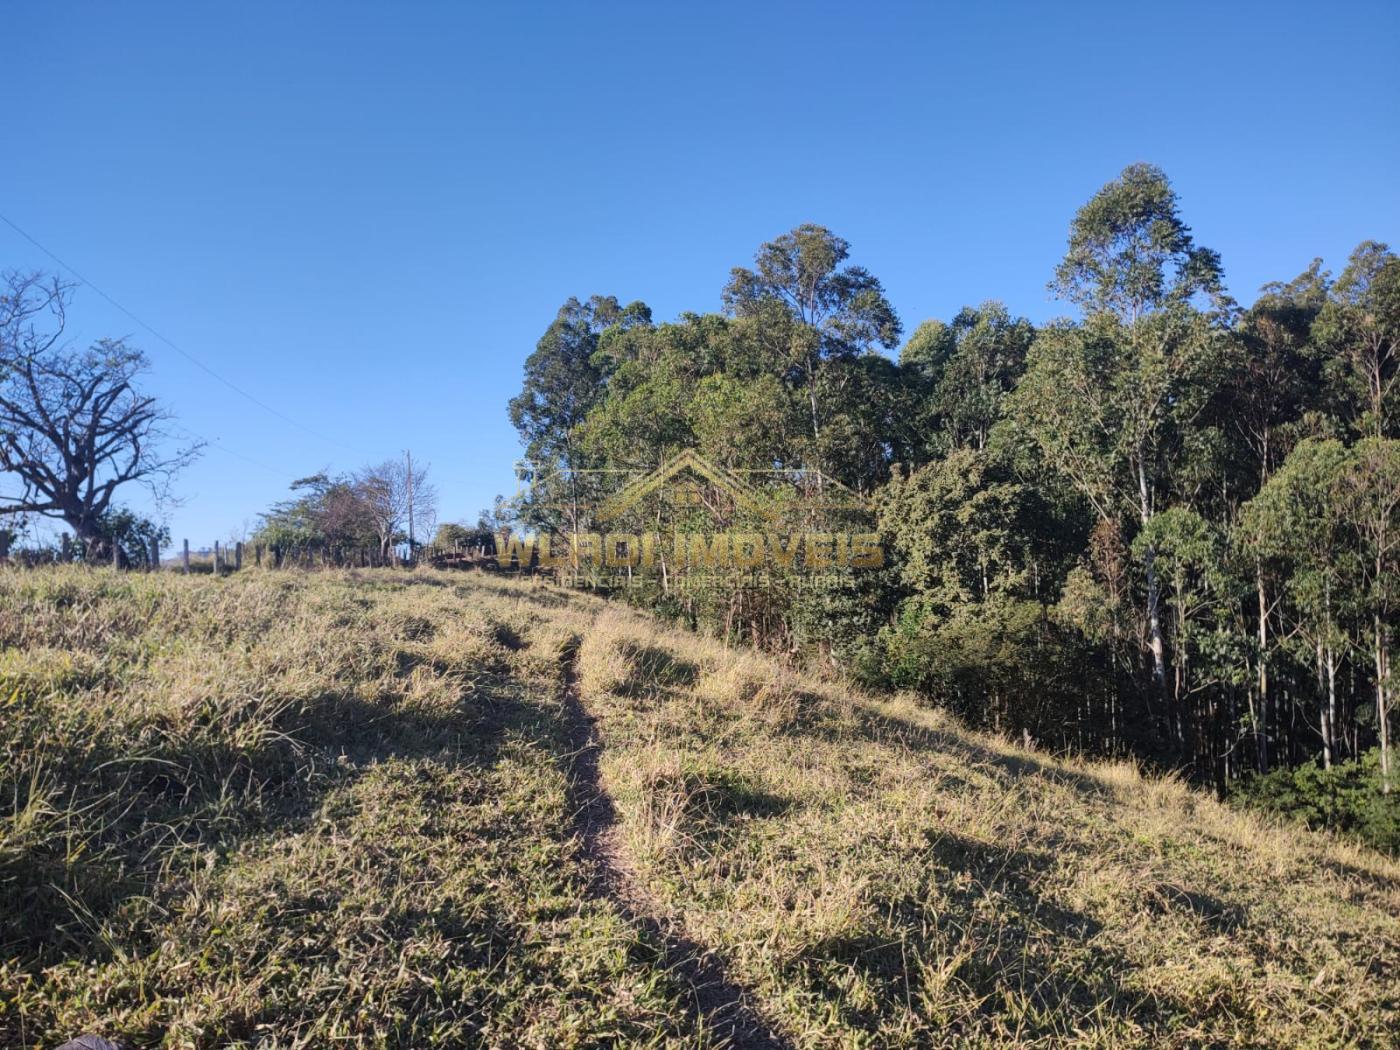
879	877
302	810
297	810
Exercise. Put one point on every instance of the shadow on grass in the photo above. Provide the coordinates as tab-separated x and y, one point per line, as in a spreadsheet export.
137	804
892	731
1048	955
991	911
1374	881
652	668
720	1006
997	940
535	594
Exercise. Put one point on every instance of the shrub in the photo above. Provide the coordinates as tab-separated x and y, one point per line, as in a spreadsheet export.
1346	798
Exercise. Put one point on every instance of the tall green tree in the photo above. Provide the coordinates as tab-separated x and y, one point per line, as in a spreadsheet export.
1368	494
827	312
1295	526
1110	401
1131	254
1199	592
987	359
1268	401
1274	378
1360	326
562	384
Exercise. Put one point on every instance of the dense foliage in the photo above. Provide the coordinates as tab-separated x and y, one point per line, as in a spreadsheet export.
1168	526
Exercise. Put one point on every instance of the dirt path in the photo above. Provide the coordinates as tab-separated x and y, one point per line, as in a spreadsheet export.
721	1006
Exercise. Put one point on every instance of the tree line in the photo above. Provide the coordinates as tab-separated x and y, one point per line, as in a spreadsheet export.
77	431
379	509
1168	526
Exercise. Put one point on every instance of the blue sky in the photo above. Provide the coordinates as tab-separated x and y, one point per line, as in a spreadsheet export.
366	214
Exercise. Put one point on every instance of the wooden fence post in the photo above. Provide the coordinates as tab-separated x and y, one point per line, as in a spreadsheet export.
238	556
155	554
217	566
186	557
116	555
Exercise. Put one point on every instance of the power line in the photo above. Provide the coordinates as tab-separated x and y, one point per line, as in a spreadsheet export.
228	451
178	349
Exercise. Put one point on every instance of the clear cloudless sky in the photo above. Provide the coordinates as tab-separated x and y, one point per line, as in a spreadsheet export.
367	214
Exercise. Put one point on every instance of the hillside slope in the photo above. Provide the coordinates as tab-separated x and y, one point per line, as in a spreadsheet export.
392	809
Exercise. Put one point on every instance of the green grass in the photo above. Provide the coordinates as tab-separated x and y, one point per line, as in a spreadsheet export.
320	809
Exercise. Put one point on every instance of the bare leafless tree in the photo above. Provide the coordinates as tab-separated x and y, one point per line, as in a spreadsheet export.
385	491
73	427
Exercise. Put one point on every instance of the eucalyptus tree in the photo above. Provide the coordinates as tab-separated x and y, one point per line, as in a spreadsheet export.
829	313
1331	517
987	359
1275	374
1368	495
922	361
654	375
1360	326
925	354
1200	593
1110	400
1270	399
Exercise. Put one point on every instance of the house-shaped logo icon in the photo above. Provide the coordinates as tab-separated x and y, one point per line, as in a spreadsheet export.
745	497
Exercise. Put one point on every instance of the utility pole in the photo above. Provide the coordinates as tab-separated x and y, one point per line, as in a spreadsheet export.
409	456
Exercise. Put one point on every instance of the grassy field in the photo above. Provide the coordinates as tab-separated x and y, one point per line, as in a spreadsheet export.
444	810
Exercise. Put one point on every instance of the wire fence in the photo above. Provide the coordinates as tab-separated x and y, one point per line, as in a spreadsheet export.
224	558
